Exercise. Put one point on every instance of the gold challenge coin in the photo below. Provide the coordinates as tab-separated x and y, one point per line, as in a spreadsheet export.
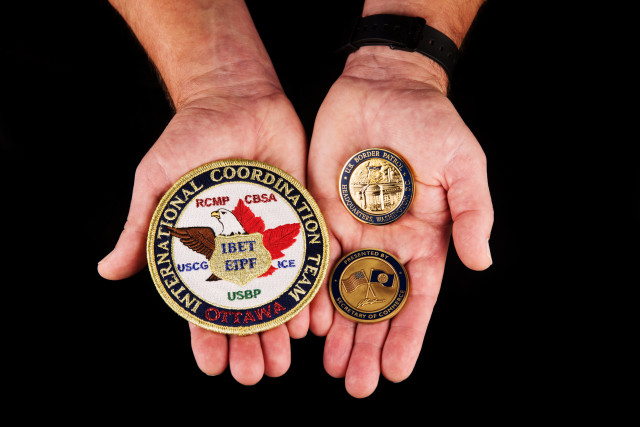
376	186
237	247
369	285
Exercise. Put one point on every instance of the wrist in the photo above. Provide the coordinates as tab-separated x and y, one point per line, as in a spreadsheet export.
201	49
413	59
224	60
384	64
240	79
451	17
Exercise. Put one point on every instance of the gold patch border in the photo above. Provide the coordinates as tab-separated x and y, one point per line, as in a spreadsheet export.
240	330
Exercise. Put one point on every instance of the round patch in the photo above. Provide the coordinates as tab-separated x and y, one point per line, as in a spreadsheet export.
237	247
376	186
369	285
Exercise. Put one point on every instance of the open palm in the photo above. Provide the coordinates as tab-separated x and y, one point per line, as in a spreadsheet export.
260	127
414	119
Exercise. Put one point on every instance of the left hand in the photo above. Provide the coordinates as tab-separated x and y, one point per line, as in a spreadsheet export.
397	100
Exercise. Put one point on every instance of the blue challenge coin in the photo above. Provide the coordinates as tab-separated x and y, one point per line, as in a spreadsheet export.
376	186
369	285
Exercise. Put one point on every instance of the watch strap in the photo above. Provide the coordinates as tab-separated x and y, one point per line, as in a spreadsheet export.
406	33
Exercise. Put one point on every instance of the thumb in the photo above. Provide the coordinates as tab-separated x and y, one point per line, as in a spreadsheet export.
129	255
471	208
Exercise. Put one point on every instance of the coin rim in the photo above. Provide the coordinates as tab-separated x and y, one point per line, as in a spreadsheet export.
240	330
356	319
413	187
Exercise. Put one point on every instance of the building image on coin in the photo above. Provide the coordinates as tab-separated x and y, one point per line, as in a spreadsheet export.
377	186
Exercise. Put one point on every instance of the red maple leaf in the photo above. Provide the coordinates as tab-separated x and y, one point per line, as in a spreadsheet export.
246	218
280	238
269	272
275	240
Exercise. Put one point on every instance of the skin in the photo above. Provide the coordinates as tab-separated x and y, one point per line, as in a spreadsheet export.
451	196
229	104
397	100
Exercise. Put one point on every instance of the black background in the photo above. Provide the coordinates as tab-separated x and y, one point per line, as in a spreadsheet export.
81	105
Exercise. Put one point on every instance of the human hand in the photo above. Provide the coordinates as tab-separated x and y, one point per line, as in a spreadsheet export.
397	100
256	122
229	104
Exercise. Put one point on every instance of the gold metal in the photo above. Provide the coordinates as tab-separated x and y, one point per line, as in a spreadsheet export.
233	265
366	287
376	186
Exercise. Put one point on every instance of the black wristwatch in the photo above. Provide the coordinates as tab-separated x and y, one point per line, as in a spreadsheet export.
404	33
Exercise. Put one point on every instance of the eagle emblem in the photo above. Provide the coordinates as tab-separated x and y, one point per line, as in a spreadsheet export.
237	245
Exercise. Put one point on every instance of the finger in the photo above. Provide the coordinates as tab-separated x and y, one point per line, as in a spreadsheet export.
338	345
298	326
321	311
363	372
276	349
407	329
321	308
246	361
129	255
210	350
471	207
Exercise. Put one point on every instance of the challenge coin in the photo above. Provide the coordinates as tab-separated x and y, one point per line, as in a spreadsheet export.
369	285
376	186
237	247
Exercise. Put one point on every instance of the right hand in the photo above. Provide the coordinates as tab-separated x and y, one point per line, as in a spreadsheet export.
257	122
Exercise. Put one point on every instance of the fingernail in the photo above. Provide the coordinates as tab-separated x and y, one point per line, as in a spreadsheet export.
489	252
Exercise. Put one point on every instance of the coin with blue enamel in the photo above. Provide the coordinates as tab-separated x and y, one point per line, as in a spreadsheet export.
369	285
376	186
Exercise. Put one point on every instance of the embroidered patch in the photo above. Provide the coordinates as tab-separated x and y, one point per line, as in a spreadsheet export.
237	247
376	186
369	285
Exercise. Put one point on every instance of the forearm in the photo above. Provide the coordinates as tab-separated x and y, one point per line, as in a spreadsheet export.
200	47
451	17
